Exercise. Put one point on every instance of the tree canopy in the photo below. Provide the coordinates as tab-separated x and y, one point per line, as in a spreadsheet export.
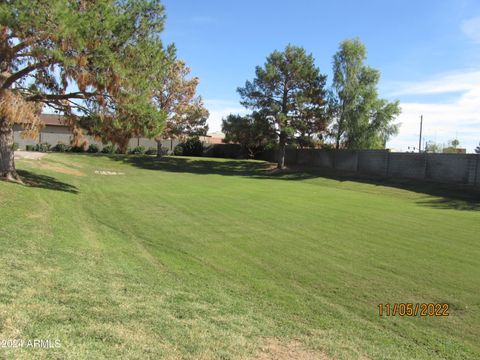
290	91
175	93
361	119
77	57
253	131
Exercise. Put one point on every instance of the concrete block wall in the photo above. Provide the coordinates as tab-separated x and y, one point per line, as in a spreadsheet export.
373	162
324	158
476	178
447	168
229	151
346	160
56	134
407	165
305	156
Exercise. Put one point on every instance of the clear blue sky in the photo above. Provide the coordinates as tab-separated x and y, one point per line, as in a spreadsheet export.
427	51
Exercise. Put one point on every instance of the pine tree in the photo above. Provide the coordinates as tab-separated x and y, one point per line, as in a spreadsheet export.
75	57
290	90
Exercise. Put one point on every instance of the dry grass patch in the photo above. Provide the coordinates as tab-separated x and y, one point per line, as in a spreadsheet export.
60	169
286	349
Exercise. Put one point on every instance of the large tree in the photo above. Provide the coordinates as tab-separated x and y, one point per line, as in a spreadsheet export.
477	149
253	132
172	93
361	119
175	94
289	90
68	55
132	112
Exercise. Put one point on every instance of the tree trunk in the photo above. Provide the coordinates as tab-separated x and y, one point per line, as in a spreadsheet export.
281	151
122	145
159	149
7	160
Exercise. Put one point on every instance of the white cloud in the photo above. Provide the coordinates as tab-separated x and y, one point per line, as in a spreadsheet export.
219	109
471	28
442	122
441	84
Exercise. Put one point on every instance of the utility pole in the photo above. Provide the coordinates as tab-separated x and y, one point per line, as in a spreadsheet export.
420	139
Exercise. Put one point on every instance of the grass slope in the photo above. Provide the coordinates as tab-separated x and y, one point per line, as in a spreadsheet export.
192	258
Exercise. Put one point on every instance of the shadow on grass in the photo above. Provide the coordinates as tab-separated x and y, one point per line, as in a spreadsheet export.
445	196
45	182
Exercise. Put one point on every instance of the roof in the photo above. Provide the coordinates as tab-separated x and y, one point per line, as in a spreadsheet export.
52	120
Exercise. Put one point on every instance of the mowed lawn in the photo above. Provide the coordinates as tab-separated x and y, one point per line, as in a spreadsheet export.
223	259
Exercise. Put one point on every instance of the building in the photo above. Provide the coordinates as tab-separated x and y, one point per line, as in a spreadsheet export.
213	138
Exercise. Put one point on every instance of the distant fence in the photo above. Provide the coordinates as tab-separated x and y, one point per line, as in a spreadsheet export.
447	168
230	151
59	134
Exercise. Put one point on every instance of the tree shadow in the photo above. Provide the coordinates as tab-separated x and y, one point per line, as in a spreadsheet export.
445	196
196	165
45	182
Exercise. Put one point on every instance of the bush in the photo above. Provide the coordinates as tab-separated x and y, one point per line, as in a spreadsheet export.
43	147
93	148
137	150
191	147
151	151
30	147
60	147
15	146
108	149
178	151
77	149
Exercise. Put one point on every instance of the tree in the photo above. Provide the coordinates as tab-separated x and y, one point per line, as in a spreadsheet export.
252	132
361	119
289	91
432	147
71	56
477	149
133	111
175	94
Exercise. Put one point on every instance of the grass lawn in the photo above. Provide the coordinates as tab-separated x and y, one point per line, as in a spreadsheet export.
223	259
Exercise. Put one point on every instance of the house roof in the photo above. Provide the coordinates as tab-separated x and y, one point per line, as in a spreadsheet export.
52	119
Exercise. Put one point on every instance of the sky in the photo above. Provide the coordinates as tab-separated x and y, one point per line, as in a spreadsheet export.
428	53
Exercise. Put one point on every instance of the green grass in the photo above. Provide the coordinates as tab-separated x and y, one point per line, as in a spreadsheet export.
210	259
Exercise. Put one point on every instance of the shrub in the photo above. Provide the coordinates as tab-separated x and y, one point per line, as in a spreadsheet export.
93	148
137	150
30	147
108	149
43	147
60	147
15	146
151	151
77	149
178	151
191	147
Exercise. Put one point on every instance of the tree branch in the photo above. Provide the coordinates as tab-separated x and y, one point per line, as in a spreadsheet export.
21	73
72	95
